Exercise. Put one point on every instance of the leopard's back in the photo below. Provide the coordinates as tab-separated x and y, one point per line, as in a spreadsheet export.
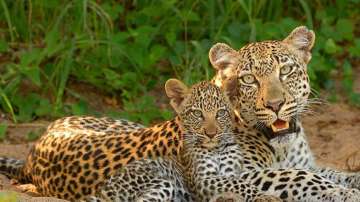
77	154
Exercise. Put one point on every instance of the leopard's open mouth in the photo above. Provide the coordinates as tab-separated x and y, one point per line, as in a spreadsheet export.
279	125
280	128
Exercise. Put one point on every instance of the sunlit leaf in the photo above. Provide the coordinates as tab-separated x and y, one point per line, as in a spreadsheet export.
331	47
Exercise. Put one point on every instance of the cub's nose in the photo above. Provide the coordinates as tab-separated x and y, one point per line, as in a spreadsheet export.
274	105
210	134
210	131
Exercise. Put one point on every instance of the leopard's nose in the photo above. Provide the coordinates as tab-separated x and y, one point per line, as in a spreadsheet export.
274	105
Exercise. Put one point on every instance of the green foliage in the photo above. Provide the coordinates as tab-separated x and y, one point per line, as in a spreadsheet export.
9	196
347	82
128	49
34	134
3	128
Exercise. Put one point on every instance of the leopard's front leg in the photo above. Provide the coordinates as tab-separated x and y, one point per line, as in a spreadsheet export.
145	180
223	189
299	185
350	180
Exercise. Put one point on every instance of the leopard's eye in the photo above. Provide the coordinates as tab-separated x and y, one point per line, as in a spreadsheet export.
285	69
197	114
221	113
248	79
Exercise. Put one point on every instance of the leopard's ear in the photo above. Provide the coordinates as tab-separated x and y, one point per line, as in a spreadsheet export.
222	56
177	92
301	40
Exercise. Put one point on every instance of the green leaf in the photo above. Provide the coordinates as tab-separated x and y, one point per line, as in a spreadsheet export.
26	105
355	49
80	108
307	11
113	9
167	114
331	47
345	29
33	135
3	46
32	56
5	102
119	38
33	73
53	44
6	13
156	52
170	37
65	73
3	128
113	79
348	80
190	16
44	108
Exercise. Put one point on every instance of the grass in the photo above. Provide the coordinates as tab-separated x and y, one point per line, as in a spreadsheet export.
126	49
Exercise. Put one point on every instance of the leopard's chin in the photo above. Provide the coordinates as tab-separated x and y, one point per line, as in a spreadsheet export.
209	145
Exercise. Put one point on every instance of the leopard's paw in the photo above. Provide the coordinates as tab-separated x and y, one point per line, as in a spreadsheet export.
28	188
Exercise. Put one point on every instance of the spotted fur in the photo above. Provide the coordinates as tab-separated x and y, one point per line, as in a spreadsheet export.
77	154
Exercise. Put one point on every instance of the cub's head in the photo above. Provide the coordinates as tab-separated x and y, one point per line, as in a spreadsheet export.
204	111
268	81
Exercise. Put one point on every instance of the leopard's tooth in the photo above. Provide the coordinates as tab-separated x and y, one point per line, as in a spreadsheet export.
274	128
287	125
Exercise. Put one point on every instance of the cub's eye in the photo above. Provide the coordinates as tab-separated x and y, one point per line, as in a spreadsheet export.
285	69
248	79
221	113
197	114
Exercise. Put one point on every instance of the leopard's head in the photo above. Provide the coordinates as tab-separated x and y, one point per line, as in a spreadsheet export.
204	111
268	81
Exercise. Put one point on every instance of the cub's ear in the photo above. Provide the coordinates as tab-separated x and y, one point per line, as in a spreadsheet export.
221	56
301	40
177	92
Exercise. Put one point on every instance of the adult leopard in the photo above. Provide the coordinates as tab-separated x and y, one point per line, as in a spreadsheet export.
270	91
212	161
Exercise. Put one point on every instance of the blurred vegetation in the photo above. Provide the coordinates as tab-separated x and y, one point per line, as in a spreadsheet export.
127	49
9	196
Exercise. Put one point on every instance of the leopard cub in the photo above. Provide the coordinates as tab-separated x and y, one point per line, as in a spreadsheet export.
204	116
